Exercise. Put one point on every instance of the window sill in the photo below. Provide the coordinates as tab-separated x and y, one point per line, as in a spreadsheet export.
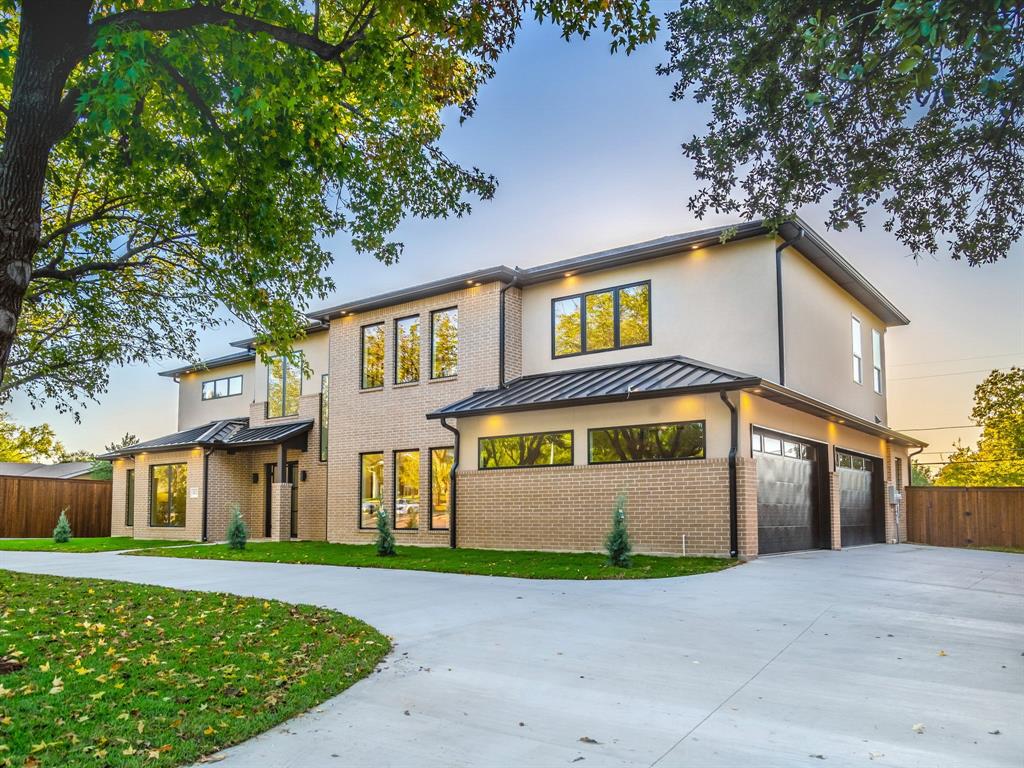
405	385
364	390
443	379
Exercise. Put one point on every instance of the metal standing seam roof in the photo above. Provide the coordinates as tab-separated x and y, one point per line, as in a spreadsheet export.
659	377
226	433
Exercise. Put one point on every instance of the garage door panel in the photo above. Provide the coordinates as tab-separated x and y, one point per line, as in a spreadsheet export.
786	509
860	509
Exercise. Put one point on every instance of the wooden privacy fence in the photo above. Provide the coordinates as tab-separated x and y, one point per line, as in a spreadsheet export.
30	506
965	517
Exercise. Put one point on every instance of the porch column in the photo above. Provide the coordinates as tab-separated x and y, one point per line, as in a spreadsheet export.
280	511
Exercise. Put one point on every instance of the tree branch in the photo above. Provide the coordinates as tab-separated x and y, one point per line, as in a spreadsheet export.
190	91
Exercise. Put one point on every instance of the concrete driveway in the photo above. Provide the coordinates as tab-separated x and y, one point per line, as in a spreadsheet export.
819	659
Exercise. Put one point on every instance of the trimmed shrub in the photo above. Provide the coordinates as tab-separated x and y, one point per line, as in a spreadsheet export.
385	538
238	533
617	542
62	533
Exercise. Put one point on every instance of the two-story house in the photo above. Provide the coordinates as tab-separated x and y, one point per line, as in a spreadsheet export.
730	382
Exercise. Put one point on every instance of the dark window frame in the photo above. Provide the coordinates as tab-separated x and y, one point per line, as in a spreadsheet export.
704	433
129	498
430	488
434	312
394	366
614	290
362	356
285	364
152	495
325	405
359	490
394	487
572	449
241	387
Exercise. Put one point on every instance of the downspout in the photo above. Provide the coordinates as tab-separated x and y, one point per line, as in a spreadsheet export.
910	465
501	331
452	485
778	302
206	491
734	439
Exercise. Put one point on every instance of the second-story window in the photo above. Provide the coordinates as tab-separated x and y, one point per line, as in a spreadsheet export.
284	386
444	343
407	350
858	355
613	318
226	387
373	356
876	360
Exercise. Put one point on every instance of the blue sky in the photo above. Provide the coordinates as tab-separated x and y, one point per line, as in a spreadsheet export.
585	146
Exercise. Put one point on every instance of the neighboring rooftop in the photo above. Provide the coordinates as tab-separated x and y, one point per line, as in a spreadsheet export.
67	470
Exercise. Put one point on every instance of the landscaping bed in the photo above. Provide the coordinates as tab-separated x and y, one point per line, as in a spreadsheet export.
486	562
98	544
102	673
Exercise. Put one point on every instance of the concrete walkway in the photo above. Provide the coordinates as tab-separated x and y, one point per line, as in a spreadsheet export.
817	659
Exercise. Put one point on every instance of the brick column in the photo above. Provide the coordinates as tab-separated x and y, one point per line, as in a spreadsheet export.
833	500
746	496
280	511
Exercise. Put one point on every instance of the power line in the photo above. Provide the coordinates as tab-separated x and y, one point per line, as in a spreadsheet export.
932	429
971	461
958	359
955	373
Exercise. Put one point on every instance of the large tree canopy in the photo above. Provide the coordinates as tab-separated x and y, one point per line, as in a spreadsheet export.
161	160
914	104
998	458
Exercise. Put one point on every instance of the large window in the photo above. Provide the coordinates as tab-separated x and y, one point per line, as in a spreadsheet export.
876	360
540	449
167	484
858	355
372	356
129	498
226	387
284	386
371	485
647	442
407	350
444	343
325	414
407	490
441	462
614	318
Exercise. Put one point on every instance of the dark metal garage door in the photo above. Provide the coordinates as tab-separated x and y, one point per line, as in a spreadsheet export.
787	510
860	503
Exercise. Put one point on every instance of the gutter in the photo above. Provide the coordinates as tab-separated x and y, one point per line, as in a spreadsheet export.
910	467
778	301
734	439
206	492
453	485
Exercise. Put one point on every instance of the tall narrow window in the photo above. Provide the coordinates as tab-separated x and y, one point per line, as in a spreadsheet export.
373	356
876	360
407	490
858	356
441	462
325	414
540	449
284	386
898	472
407	350
129	498
444	343
167	495
371	485
613	318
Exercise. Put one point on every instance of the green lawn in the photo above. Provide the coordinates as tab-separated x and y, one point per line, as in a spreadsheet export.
99	544
486	562
101	673
1011	550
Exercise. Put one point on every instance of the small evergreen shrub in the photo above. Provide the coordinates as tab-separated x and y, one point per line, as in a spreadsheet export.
62	533
385	538
617	542
238	534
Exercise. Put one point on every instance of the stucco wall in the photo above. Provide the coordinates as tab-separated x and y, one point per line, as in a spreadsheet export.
819	346
193	410
315	349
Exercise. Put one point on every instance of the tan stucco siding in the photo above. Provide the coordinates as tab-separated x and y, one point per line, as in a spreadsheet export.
714	304
819	346
193	410
707	408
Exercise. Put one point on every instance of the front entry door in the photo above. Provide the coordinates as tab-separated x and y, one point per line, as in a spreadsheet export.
270	474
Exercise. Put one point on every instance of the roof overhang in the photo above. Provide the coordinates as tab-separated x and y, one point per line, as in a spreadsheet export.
250	343
215	362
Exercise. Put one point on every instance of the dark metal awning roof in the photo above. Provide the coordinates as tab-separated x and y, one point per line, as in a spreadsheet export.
227	434
661	377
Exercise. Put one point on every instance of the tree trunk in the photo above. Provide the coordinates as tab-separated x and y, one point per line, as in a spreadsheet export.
50	43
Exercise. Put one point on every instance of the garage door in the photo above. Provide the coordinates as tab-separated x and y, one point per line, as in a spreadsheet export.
787	510
860	505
